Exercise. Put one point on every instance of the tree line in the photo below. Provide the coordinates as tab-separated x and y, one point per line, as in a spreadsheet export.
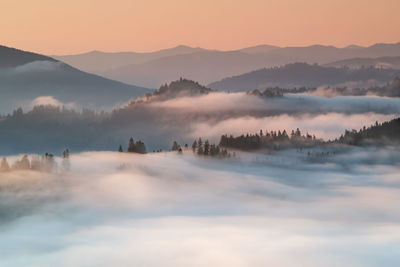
134	147
39	163
379	132
272	140
206	149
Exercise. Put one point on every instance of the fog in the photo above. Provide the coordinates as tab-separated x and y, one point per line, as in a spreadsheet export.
166	209
37	66
183	119
326	126
288	104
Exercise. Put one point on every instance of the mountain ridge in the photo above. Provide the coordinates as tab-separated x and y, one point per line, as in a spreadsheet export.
25	76
207	66
302	75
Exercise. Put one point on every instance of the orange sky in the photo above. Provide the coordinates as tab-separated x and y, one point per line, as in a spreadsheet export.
72	26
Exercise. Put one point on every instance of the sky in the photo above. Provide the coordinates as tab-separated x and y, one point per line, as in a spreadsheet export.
74	26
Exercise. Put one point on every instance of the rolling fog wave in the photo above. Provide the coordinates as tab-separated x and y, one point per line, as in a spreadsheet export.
148	210
287	104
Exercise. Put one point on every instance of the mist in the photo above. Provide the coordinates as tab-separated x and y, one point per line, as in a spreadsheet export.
288	104
251	210
326	126
183	119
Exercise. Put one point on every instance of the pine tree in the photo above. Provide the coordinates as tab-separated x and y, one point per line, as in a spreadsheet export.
66	154
175	146
4	167
120	149
140	147
131	146
194	146
200	151
206	148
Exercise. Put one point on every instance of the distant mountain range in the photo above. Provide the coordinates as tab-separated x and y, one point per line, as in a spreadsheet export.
206	66
303	74
25	76
356	63
97	61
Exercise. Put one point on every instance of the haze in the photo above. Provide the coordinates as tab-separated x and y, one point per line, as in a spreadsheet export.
62	27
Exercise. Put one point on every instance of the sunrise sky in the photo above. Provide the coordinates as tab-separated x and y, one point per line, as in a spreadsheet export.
74	26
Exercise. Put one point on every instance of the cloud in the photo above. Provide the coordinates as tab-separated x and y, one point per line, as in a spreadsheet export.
38	66
288	104
182	210
49	100
212	102
327	126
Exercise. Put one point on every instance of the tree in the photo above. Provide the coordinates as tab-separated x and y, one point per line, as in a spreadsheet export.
194	146
206	148
200	151
212	150
120	149
22	164
131	146
298	133
4	167
66	154
48	162
18	113
140	147
175	146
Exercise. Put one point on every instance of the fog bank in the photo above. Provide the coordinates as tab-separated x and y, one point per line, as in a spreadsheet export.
181	210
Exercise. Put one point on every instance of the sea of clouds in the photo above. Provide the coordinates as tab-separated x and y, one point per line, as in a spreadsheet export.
166	209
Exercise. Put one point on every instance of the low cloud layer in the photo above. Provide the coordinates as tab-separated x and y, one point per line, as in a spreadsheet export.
49	100
180	210
288	104
38	66
326	126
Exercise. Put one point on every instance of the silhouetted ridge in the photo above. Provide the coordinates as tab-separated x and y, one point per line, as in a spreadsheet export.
270	140
179	88
25	76
386	132
378	134
11	57
302	74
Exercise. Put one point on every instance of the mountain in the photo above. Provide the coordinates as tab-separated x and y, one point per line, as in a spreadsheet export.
25	76
354	47
11	57
302	74
258	49
97	61
356	63
176	89
206	66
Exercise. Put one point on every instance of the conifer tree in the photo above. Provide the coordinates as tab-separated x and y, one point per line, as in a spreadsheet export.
4	167
206	148
175	146
140	147
131	146
194	146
